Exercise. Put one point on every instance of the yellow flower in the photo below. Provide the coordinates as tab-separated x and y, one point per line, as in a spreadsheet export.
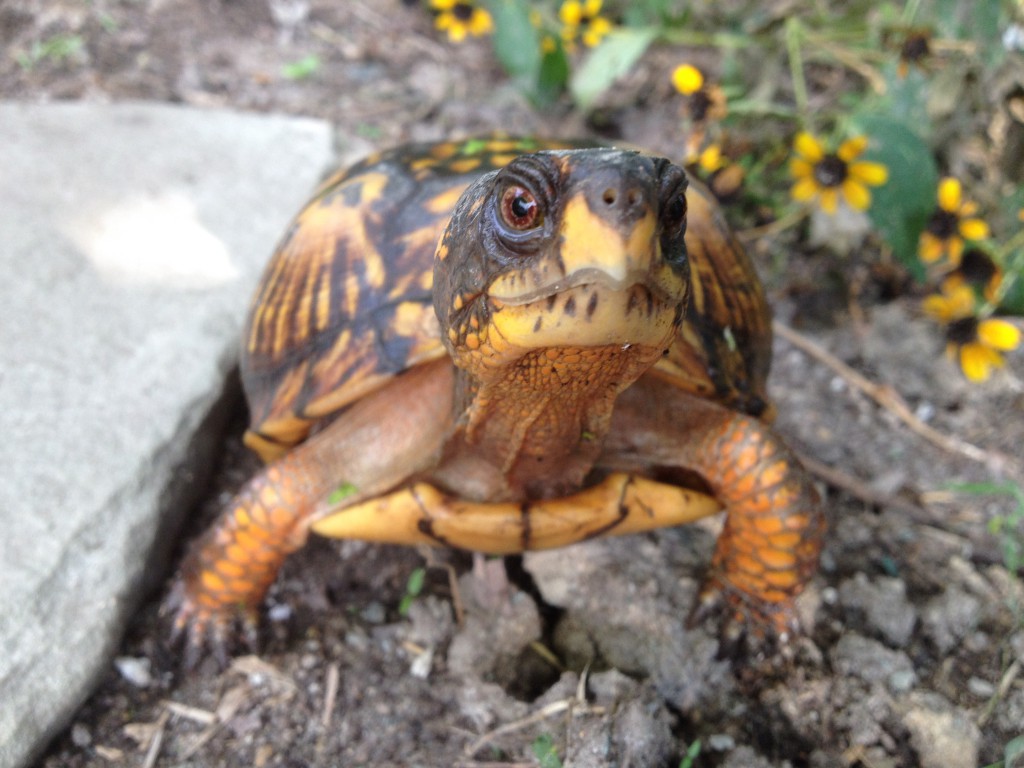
823	176
975	343
687	79
705	101
459	19
583	19
951	223
916	48
977	270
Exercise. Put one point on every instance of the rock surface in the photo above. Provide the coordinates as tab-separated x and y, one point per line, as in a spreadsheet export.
132	237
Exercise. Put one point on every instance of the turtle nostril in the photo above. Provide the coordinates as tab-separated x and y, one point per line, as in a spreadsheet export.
633	198
610	196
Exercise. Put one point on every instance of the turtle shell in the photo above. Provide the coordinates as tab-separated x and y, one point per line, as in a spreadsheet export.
345	302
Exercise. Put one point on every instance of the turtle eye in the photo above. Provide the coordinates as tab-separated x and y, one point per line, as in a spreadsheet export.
519	208
673	213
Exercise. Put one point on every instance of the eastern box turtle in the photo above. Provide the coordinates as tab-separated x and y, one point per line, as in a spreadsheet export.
505	345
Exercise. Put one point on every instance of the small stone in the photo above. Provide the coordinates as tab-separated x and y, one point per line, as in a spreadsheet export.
422	664
981	688
721	742
373	613
80	736
872	662
279	612
950	617
135	670
884	604
942	735
745	757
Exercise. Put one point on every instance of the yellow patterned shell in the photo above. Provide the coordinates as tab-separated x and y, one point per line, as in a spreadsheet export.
345	302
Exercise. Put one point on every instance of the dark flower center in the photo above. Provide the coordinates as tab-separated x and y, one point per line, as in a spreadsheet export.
830	171
915	47
962	331
462	11
700	103
943	224
976	267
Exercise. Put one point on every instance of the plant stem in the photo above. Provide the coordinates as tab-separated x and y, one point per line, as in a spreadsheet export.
794	33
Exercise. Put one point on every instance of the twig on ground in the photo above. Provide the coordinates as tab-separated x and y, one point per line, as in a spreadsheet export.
573	705
891	400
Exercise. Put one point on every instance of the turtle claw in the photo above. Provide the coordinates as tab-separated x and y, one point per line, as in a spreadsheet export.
204	630
747	625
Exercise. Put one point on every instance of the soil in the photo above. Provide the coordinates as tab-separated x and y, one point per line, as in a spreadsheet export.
915	642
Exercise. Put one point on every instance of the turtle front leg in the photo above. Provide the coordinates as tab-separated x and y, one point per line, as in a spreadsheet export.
378	443
774	525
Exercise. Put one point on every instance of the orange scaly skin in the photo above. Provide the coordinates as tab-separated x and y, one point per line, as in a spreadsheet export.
232	566
774	527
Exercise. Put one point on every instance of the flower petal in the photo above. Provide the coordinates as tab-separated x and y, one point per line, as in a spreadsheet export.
856	195
442	5
938	307
999	334
570	13
977	361
873	174
687	79
852	148
930	248
949	194
829	200
973	229
808	147
800	168
955	250
593	7
804	190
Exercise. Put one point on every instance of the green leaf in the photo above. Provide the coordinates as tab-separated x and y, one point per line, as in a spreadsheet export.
415	583
616	54
303	68
341	493
901	207
691	754
516	41
553	76
545	752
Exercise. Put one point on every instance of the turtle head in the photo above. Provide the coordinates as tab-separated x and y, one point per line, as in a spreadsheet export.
565	249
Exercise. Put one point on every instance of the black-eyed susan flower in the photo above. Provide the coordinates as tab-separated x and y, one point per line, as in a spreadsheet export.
705	101
915	50
979	271
952	222
824	176
723	177
460	19
582	19
977	344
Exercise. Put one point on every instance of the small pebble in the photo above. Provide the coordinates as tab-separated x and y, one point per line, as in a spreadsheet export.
80	735
135	670
373	613
279	612
422	664
721	742
983	689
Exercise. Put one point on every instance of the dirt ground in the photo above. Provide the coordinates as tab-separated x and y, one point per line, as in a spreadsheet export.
915	646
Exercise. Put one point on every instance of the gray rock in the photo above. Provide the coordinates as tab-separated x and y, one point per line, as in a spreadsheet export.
132	237
872	662
948	618
942	735
746	757
884	603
